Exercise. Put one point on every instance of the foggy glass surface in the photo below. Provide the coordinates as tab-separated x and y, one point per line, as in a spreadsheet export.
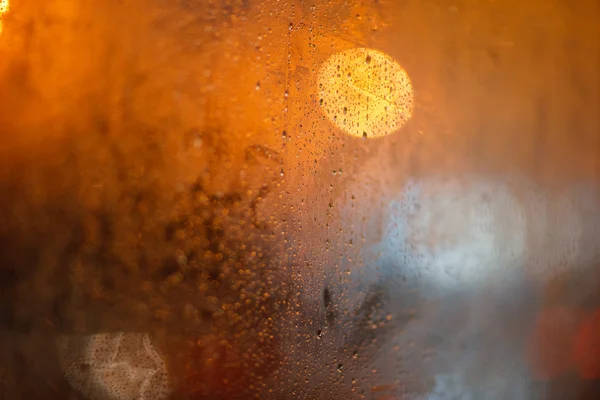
327	199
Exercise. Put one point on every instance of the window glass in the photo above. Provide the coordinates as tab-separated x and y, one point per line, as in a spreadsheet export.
326	199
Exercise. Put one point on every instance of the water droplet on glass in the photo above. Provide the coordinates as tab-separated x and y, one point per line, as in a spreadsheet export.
257	85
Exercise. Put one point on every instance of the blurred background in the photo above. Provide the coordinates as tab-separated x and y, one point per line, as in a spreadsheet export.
326	199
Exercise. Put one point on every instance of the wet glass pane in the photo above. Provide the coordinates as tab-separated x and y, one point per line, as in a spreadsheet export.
326	199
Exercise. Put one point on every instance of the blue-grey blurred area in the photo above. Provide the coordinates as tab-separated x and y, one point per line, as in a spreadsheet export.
457	234
459	272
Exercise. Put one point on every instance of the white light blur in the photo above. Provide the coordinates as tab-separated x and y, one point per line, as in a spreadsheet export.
119	366
455	234
472	232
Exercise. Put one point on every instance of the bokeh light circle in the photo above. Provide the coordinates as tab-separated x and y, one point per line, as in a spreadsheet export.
365	92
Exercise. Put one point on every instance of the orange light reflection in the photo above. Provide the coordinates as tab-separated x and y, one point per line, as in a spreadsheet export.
3	10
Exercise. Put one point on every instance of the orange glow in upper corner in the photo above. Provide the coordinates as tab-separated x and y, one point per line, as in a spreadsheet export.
3	7
3	10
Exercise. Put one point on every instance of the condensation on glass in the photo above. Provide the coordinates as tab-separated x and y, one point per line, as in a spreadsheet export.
234	199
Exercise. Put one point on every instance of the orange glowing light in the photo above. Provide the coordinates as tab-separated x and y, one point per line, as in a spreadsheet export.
3	10
586	350
365	92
